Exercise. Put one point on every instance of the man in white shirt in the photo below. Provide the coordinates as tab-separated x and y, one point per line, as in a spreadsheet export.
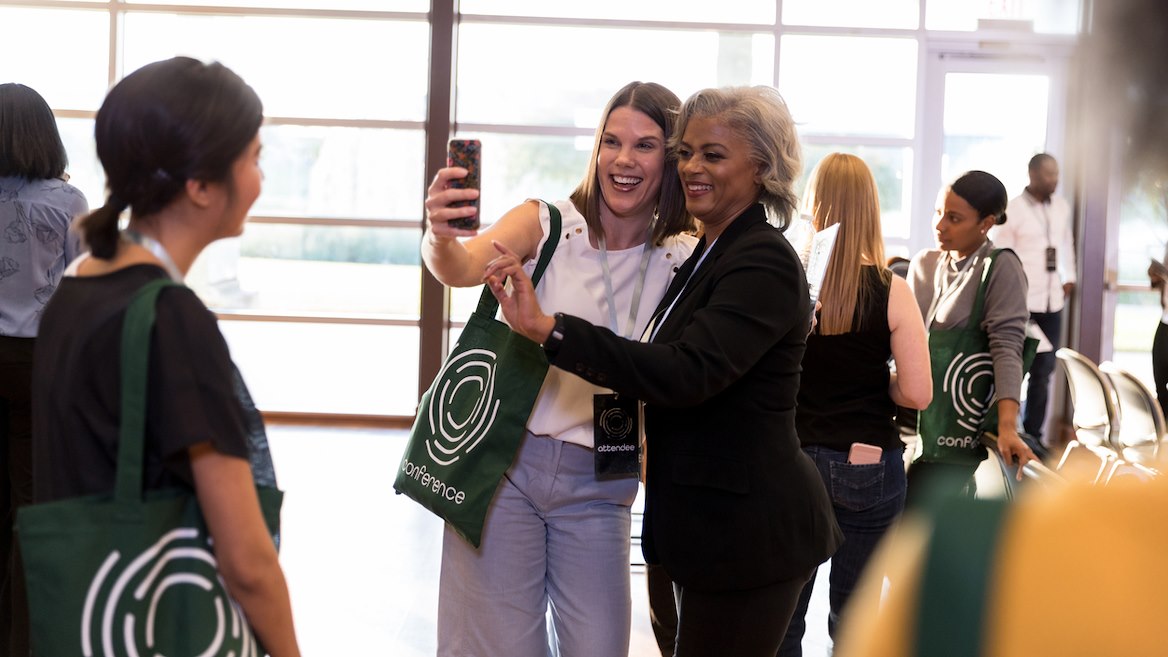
1038	229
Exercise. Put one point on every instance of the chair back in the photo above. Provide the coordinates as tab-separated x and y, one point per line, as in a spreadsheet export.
1096	415
1141	420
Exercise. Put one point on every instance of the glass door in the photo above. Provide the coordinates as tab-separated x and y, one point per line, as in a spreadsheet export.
989	113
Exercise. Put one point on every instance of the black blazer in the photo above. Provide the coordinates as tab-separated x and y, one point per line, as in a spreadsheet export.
732	502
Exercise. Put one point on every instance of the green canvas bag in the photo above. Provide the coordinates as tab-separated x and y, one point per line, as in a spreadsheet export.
471	421
131	572
954	592
964	404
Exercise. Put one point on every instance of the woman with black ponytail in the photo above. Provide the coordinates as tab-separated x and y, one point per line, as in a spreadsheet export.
179	142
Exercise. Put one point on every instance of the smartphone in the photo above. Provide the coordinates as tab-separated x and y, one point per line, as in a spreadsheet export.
864	454
466	153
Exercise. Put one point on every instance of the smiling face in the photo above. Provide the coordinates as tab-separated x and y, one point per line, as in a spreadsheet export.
718	175
630	164
959	228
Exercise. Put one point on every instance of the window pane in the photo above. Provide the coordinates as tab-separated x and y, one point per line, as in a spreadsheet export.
892	169
85	172
560	90
697	11
313	269
998	137
371	5
463	301
1137	315
1143	227
1049	16
852	13
63	54
360	173
850	85
315	67
327	368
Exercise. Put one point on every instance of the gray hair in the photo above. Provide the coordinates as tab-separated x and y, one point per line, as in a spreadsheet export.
759	115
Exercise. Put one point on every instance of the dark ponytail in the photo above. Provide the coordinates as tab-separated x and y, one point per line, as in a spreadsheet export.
160	126
99	228
984	192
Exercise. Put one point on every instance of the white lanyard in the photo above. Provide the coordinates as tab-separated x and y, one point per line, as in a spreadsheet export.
658	321
154	246
646	251
944	288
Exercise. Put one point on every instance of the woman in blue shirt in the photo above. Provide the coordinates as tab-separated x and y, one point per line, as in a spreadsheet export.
37	206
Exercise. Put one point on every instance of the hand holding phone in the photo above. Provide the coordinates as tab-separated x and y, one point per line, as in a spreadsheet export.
864	454
465	153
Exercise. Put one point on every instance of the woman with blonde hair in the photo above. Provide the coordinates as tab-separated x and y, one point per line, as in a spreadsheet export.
848	395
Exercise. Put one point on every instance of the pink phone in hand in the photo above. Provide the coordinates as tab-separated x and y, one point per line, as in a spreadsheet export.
864	454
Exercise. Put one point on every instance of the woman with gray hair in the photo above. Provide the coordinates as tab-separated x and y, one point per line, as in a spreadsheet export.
735	512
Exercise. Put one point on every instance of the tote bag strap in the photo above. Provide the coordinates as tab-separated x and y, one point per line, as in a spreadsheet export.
954	593
136	330
975	315
488	304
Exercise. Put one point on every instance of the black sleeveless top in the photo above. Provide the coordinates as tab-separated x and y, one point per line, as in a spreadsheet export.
843	394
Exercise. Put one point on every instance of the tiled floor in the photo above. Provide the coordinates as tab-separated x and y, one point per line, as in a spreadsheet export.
362	563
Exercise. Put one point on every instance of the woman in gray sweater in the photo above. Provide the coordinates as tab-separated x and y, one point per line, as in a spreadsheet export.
945	282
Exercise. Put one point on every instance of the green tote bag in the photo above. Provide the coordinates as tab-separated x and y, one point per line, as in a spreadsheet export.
471	420
132	572
964	404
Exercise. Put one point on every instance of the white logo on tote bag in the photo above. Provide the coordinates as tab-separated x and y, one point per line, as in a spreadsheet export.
467	378
124	617
963	373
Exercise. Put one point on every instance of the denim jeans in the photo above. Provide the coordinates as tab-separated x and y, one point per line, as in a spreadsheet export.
1038	388
867	499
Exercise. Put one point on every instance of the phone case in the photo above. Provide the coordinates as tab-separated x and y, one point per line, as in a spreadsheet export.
466	153
864	454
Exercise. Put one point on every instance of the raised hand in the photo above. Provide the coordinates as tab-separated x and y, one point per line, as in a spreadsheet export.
520	306
440	195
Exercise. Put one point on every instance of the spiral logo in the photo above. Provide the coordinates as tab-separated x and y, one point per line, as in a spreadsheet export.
178	572
462	405
616	423
965	371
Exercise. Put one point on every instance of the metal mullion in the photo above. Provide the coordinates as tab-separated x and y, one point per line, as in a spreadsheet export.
527	129
57	4
871	32
290	318
434	296
382	124
334	222
859	140
542	21
222	10
377	124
